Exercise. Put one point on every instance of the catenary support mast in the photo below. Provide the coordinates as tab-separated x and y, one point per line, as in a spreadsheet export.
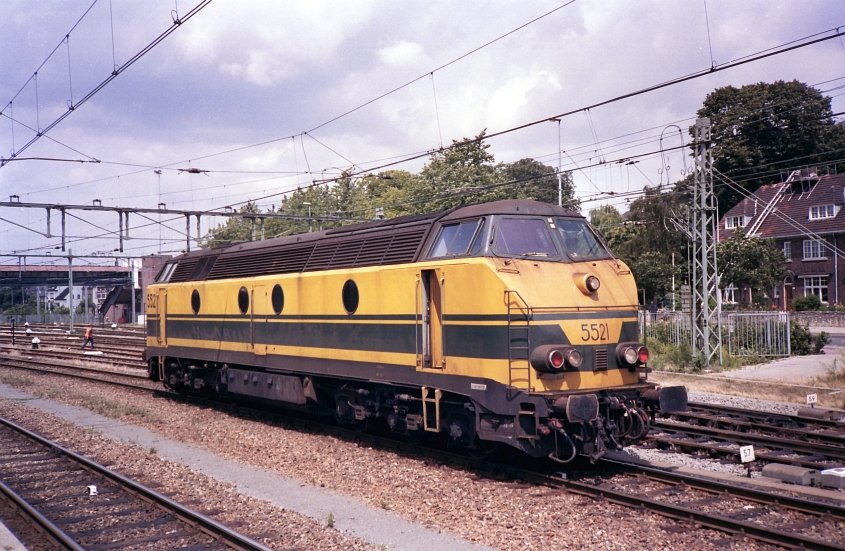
706	306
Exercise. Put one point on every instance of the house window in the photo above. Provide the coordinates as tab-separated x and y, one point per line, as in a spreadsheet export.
819	212
813	249
787	250
735	222
816	285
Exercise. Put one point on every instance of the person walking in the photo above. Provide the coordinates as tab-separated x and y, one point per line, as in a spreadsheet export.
89	337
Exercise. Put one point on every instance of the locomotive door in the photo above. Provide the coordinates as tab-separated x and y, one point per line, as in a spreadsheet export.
161	307
432	320
257	322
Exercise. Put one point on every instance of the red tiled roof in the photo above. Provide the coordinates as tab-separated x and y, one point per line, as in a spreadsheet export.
790	215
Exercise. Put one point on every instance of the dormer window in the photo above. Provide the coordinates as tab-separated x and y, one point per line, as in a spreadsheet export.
732	222
820	212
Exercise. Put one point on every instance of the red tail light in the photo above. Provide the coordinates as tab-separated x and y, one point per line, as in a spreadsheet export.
643	355
553	358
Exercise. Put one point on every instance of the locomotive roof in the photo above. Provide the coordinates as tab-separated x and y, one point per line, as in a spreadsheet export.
508	206
380	242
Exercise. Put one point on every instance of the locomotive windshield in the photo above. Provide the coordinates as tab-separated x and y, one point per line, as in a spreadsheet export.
542	238
524	237
579	241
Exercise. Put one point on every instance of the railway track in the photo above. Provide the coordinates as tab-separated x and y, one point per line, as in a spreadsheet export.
64	356
129	380
733	508
83	505
811	442
726	506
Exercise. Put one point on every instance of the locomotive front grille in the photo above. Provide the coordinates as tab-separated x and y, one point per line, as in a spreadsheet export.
600	359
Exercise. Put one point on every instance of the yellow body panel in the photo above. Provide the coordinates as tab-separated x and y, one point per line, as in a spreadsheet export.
470	288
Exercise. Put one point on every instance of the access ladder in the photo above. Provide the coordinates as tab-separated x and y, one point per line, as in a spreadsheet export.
519	343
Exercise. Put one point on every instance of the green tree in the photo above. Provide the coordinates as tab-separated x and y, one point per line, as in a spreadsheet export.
657	218
464	170
760	128
389	191
750	263
534	180
653	273
235	230
605	218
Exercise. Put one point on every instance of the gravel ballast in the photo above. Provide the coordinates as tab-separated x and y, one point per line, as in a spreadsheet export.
278	492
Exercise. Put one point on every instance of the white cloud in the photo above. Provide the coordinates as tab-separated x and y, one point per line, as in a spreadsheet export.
263	43
511	103
401	53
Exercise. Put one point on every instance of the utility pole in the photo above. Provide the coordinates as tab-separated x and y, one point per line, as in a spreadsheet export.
559	159
706	306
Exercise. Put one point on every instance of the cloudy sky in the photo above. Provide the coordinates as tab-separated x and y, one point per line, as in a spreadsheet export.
268	96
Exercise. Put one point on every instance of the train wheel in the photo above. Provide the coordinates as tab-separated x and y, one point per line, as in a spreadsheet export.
344	412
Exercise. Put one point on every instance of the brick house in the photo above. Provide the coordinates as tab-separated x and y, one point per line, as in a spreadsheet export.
804	216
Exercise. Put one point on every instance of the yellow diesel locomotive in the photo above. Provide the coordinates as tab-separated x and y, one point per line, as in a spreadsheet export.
499	323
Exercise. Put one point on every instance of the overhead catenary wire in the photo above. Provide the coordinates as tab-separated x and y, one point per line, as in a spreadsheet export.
301	140
114	74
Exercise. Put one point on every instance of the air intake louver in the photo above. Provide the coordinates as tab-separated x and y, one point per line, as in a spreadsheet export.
376	249
184	270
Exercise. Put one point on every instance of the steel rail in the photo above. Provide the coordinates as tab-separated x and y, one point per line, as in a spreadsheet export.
201	522
756	414
54	532
714	521
827	450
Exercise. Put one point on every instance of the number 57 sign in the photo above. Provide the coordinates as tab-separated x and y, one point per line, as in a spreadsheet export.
746	454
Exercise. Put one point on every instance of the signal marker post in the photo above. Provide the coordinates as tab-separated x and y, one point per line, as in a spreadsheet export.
746	455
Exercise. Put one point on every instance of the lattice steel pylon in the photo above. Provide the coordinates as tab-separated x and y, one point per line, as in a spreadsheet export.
706	306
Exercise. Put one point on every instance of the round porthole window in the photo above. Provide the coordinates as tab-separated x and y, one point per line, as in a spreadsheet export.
195	301
278	299
350	296
243	300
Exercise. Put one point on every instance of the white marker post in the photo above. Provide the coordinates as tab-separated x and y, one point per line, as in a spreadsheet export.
812	400
746	455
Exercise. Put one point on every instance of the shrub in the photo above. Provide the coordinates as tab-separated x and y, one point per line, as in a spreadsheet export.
819	341
802	342
807	302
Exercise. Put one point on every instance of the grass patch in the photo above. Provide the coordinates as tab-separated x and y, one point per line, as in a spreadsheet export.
678	358
114	409
17	381
834	374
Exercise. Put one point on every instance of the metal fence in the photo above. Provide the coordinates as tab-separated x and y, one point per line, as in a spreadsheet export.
756	333
50	319
743	333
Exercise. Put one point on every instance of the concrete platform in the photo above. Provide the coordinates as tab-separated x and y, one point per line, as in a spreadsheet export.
8	541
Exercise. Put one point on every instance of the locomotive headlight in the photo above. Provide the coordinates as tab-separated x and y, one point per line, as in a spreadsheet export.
552	358
631	354
586	283
573	358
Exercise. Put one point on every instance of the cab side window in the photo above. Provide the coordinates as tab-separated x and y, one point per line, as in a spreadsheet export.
455	239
